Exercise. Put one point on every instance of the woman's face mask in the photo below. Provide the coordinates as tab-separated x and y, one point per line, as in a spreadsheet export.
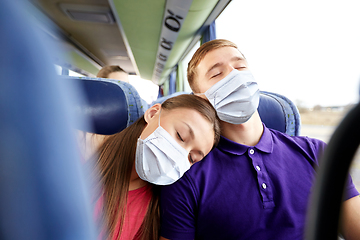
160	159
235	97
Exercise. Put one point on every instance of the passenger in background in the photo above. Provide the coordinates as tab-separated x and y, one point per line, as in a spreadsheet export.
117	73
256	183
89	142
113	72
155	150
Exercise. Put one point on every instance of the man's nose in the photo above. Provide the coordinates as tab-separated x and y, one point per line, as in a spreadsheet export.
229	68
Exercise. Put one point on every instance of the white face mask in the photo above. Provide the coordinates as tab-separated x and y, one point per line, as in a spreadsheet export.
160	159
235	97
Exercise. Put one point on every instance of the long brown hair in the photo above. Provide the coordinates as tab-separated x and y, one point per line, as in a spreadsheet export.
116	161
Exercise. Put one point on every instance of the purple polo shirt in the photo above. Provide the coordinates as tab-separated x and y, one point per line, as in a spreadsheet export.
242	192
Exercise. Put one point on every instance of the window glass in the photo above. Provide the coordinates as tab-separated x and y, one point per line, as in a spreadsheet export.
185	62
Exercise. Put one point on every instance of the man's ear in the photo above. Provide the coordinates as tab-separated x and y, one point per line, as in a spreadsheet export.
151	112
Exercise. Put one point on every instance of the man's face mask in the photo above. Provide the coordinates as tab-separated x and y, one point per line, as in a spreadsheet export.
235	97
160	159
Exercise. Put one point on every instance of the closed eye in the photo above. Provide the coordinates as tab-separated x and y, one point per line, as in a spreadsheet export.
216	75
179	136
239	68
191	160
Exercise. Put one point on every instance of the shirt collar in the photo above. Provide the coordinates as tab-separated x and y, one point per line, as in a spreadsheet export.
265	144
266	141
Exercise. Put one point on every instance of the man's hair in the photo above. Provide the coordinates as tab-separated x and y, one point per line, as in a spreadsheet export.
105	71
200	54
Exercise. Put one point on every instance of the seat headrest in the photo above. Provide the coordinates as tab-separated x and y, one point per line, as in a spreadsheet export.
43	185
279	113
164	98
110	105
113	105
276	112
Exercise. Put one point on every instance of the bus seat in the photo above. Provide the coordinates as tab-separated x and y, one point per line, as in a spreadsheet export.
279	113
110	105
44	194
162	99
276	112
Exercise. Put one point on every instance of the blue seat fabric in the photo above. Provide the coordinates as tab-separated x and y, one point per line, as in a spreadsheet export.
276	112
111	105
279	113
44	194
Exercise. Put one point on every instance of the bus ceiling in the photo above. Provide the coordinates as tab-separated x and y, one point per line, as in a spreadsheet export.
147	38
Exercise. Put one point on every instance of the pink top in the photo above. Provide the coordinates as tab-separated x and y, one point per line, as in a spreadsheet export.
137	204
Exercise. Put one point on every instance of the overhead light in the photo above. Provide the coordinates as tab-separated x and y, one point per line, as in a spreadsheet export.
115	54
123	58
88	13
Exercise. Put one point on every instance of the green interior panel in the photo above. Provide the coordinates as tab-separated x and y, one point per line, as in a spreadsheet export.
141	21
198	13
180	77
82	63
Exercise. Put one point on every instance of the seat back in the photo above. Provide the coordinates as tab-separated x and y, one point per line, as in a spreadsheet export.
279	113
276	112
43	189
110	105
162	99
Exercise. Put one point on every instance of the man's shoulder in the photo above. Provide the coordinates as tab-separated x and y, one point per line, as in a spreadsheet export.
307	144
298	139
206	167
206	162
